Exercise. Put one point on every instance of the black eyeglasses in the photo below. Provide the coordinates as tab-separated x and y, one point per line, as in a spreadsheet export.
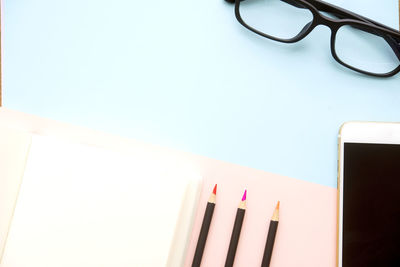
357	42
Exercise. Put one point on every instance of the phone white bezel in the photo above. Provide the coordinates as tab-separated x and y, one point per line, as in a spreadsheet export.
360	132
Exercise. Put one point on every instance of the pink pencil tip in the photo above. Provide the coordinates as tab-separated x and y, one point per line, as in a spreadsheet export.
244	195
215	189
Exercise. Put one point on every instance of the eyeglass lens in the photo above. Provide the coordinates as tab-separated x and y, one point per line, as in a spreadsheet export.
275	17
365	51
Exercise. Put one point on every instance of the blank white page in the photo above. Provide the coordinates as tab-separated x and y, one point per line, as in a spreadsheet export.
14	148
85	206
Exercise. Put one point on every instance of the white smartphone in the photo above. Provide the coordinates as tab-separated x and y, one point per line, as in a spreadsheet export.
369	195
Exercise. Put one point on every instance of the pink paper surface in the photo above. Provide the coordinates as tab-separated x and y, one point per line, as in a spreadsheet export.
306	233
307	229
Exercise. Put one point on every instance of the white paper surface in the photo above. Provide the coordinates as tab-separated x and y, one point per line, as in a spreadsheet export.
14	146
84	206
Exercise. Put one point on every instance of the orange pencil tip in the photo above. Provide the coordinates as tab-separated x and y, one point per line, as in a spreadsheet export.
277	205
215	189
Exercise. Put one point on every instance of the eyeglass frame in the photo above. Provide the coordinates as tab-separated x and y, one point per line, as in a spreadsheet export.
346	17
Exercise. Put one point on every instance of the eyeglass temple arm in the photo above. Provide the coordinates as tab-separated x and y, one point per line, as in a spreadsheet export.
345	14
336	11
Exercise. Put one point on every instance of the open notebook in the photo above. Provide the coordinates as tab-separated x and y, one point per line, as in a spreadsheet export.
86	206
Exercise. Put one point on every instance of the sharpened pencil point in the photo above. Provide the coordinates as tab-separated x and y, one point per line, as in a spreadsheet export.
215	189
275	216
244	195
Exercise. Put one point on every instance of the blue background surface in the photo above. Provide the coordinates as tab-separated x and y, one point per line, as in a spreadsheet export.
185	74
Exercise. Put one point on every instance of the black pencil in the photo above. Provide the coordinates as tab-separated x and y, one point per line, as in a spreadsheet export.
273	226
205	226
237	227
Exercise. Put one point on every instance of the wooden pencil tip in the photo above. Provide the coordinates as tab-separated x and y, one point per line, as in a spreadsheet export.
244	195
275	216
215	189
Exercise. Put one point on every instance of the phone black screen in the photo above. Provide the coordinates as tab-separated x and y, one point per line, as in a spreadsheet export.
371	205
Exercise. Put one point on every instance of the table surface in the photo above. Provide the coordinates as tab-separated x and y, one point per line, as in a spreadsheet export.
185	74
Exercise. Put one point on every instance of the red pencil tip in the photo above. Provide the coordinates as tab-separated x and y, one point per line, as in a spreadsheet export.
244	195
215	189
